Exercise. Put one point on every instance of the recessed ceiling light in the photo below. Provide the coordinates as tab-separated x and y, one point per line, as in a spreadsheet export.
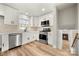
43	9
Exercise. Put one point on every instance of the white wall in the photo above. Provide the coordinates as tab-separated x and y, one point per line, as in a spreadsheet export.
67	18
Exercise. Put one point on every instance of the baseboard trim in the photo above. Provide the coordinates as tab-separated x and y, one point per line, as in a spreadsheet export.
15	47
29	42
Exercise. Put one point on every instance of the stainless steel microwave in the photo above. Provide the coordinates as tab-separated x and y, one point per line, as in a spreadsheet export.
45	23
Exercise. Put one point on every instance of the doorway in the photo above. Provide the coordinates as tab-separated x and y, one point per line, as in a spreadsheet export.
65	42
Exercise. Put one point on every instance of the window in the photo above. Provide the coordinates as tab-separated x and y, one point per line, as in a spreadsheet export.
23	23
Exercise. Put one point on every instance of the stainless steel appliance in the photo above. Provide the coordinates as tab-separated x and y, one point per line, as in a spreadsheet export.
45	23
46	30
15	39
43	37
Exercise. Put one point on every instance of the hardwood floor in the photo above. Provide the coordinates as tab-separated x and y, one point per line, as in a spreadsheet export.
66	45
35	49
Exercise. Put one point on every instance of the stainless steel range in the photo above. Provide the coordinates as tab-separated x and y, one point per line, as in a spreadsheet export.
43	37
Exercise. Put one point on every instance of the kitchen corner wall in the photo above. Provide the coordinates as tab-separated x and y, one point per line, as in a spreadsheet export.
6	27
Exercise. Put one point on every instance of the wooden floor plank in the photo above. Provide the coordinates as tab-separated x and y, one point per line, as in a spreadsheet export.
36	49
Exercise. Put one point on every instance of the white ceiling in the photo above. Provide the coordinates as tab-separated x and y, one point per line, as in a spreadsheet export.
34	9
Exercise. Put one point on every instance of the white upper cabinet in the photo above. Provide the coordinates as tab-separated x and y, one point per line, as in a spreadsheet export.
11	16
51	19
49	16
2	8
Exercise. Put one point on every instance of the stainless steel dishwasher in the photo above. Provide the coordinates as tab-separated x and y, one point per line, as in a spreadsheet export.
15	39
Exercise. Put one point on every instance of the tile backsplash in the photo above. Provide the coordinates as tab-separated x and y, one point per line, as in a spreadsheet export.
8	28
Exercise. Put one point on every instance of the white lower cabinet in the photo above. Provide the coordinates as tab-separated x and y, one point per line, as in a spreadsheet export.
4	42
28	37
50	39
25	38
11	16
36	35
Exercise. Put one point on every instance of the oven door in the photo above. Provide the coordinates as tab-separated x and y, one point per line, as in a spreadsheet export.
42	36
